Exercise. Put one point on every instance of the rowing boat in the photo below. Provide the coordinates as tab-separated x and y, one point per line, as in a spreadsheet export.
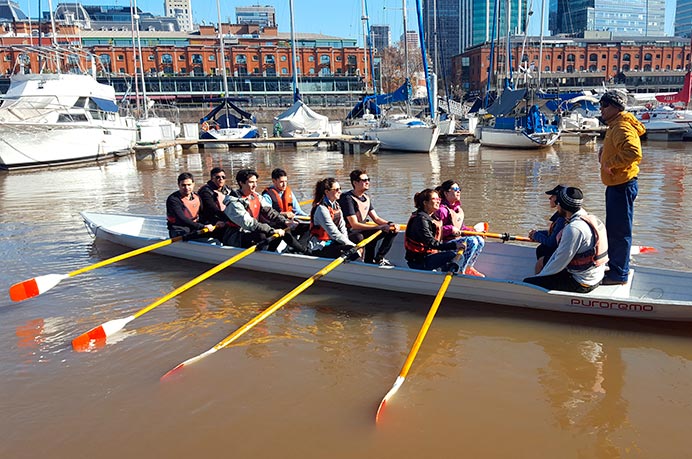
651	293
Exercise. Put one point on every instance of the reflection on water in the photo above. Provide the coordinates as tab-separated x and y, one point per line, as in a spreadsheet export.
313	373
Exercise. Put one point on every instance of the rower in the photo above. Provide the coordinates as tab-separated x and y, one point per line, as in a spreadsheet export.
280	197
183	209
251	222
579	261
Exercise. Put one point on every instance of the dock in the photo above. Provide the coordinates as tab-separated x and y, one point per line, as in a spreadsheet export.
152	151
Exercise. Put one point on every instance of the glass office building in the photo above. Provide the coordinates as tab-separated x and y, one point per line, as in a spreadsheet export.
644	18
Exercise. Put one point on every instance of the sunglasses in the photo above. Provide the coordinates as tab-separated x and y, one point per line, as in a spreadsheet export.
220	177
335	189
455	188
366	179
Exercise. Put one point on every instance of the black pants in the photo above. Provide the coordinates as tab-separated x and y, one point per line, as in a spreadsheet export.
257	237
386	237
333	250
562	281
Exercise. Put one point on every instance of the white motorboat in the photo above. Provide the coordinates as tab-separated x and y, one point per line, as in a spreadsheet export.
404	134
651	293
55	119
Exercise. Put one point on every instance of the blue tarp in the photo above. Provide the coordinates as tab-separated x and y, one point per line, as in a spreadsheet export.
506	102
105	105
562	101
372	103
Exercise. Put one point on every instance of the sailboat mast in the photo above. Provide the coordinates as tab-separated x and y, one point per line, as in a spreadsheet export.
223	51
141	64
364	20
508	51
403	2
134	56
540	45
431	102
293	53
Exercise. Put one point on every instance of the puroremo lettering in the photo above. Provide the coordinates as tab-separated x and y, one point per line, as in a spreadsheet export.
634	307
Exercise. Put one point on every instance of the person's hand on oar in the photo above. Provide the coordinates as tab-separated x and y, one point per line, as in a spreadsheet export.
274	307
421	336
41	284
97	335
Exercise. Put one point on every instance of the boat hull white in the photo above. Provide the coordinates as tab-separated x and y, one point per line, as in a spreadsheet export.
514	138
651	294
405	138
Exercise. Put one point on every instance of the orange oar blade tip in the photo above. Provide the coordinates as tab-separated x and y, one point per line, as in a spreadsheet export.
647	249
35	286
173	371
380	409
84	341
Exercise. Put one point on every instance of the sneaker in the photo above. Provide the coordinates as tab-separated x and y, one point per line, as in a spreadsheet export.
609	281
471	271
383	262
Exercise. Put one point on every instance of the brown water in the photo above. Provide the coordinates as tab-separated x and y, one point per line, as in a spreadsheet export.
489	382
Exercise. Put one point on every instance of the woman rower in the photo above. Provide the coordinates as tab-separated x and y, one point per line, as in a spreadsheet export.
423	237
328	233
452	217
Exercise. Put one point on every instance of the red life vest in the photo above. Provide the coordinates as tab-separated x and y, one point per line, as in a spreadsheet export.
280	203
418	247
598	254
319	232
191	210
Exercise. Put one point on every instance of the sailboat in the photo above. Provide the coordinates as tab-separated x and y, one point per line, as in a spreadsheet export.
300	120
405	132
227	121
512	121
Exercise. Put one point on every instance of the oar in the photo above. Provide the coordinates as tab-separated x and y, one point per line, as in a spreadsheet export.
271	309
83	342
41	284
418	342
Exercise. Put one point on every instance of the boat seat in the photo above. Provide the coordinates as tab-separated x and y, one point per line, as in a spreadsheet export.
616	291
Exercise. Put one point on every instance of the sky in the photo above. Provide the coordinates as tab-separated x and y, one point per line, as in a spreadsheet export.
341	18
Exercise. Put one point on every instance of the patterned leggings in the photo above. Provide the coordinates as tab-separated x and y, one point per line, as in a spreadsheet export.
474	246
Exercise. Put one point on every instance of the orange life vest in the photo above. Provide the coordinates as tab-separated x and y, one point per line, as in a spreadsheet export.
191	209
418	247
319	232
598	254
280	203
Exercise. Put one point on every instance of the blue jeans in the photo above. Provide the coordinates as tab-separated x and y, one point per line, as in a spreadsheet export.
619	217
434	261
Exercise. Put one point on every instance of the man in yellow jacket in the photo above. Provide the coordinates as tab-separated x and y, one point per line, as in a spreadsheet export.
619	157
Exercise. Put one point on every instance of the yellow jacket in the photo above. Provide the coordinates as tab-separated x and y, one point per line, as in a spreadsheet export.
622	149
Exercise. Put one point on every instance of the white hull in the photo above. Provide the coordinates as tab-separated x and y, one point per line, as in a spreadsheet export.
514	138
61	119
405	138
651	294
242	132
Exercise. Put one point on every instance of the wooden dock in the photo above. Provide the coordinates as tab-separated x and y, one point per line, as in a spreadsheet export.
344	144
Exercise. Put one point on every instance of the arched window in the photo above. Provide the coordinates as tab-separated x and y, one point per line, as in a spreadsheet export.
647	56
570	58
167	64
593	57
105	62
325	60
592	68
626	57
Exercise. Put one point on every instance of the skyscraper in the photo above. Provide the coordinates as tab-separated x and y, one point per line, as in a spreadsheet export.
381	36
181	10
630	18
683	18
452	26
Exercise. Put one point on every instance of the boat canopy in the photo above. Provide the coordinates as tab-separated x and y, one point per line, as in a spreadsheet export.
301	119
506	102
228	119
569	100
105	105
372	103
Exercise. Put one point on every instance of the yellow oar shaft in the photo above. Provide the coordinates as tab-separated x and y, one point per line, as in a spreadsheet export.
289	296
426	325
130	254
202	277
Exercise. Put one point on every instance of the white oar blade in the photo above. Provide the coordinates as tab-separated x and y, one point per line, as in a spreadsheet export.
35	286
85	341
189	361
481	227
399	381
642	249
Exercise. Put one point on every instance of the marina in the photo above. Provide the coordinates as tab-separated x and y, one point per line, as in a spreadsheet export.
585	385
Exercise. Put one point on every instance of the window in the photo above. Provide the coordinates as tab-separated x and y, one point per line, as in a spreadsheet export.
324	60
311	71
626	57
120	57
647	56
570	58
338	58
284	71
255	58
212	58
593	57
240	59
311	59
151	57
269	59
592	68
283	58
181	57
